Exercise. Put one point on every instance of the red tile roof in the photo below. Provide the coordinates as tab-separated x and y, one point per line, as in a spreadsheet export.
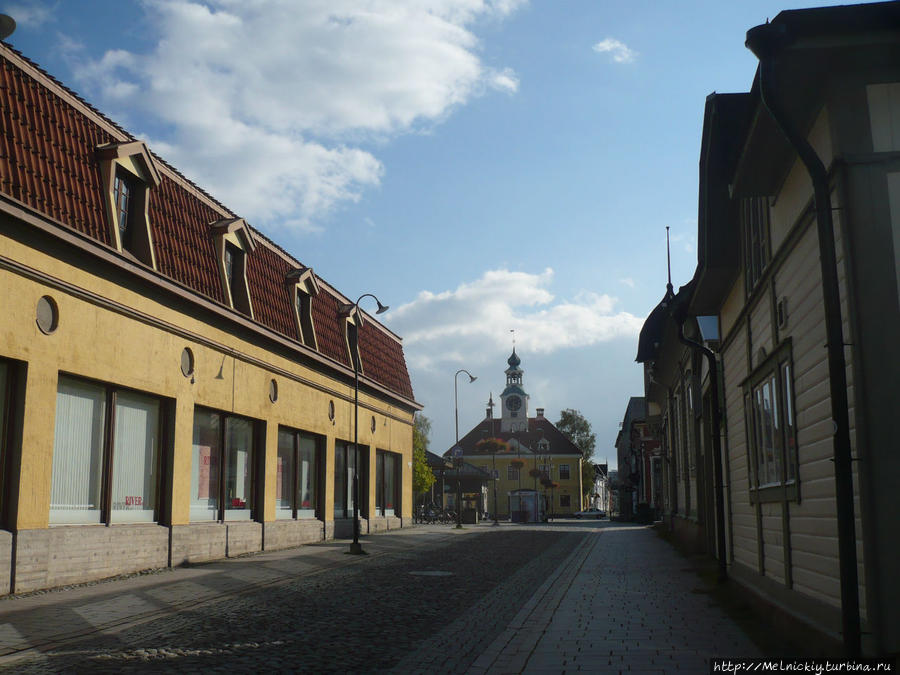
48	141
538	428
382	356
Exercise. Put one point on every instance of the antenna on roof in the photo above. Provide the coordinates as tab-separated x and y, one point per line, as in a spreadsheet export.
668	263
7	26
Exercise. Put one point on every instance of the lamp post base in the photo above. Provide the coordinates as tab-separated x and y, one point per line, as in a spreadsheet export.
356	549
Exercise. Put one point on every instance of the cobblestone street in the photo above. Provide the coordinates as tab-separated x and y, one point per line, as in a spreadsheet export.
597	597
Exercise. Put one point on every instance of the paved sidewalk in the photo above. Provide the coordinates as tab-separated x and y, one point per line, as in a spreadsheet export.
624	602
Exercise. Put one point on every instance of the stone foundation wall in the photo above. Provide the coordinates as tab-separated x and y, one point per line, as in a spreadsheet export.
198	542
384	523
67	555
6	548
57	556
282	534
243	537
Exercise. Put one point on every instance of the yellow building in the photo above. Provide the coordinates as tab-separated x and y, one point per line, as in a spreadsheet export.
173	385
531	449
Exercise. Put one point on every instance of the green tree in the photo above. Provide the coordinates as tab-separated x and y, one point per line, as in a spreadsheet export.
577	429
423	477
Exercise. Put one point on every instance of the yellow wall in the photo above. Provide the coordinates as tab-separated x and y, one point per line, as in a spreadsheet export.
571	486
94	342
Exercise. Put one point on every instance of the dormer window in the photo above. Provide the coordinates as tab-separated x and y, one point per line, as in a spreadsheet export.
353	343
303	284
129	174
353	320
234	242
123	191
231	252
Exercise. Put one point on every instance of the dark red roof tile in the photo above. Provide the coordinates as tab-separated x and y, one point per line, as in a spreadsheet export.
382	359
329	326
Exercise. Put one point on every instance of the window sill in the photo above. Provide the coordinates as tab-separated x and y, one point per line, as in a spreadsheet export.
787	492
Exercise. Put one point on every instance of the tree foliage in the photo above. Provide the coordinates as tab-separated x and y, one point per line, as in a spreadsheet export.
423	477
587	478
578	430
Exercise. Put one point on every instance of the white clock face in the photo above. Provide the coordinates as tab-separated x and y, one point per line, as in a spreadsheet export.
513	403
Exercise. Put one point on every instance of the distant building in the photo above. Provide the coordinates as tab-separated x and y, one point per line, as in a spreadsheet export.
640	482
613	483
600	495
535	450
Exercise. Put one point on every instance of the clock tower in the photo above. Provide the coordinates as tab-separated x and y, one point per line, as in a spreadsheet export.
514	400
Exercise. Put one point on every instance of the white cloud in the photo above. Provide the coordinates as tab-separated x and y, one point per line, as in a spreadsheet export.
505	80
265	102
472	322
30	15
627	281
619	51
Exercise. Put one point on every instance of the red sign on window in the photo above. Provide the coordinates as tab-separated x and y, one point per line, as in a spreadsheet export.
204	455
134	501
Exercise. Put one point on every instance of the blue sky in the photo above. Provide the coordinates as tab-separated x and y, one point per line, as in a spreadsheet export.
480	165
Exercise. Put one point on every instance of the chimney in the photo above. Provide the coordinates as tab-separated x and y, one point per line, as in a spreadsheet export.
540	413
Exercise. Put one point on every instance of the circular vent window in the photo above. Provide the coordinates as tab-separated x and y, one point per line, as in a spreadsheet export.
47	315
187	362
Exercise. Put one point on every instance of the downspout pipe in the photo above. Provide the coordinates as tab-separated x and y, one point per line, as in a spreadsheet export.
767	42
680	318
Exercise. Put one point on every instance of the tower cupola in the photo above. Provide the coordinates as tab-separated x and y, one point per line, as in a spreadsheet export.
514	400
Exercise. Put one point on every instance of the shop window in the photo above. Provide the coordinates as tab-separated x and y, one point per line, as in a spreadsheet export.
773	434
234	241
564	472
298	475
345	463
223	467
129	176
565	501
106	454
512	473
387	483
755	228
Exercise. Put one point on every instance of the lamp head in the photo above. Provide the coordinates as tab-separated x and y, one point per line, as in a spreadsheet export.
472	378
7	26
381	308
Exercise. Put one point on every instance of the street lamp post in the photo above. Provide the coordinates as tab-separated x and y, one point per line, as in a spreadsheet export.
472	378
494	474
345	310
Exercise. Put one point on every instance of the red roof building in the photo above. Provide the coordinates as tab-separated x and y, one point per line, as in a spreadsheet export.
169	376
